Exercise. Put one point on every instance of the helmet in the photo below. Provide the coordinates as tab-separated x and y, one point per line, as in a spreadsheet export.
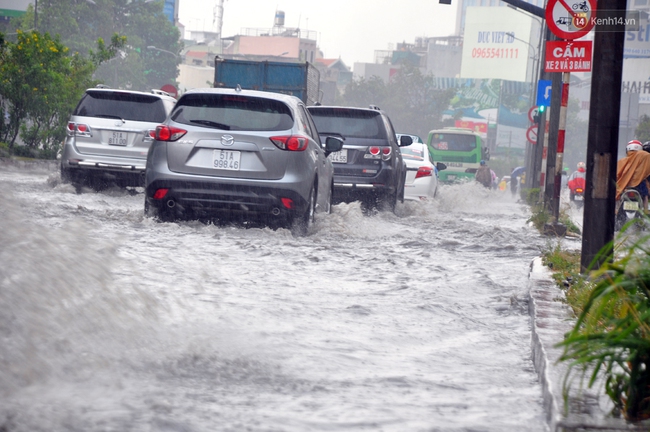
482	162
646	146
634	145
581	165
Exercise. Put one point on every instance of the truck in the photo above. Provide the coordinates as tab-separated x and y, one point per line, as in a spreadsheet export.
297	79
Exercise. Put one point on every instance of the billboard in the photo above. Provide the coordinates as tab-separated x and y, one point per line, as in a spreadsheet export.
637	43
496	44
636	78
13	8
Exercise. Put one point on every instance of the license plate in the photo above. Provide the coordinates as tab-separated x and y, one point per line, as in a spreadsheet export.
578	197
227	160
339	156
630	205
118	138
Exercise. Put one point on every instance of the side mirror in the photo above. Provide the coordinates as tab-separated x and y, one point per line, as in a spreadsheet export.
332	145
405	140
441	166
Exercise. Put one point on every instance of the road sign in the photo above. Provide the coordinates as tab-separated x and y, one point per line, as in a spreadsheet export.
531	134
568	56
570	19
544	92
532	112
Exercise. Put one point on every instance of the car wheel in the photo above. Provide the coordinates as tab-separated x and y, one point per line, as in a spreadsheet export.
388	201
303	222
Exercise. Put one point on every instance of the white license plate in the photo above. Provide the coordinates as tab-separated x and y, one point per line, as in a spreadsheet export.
118	138
226	160
630	205
339	156
578	197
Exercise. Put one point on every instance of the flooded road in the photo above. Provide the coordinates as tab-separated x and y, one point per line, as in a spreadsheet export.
411	322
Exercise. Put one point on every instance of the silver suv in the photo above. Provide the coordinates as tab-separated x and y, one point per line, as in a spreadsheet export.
239	154
109	134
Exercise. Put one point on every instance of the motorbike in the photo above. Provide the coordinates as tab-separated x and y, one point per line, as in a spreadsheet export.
578	197
629	207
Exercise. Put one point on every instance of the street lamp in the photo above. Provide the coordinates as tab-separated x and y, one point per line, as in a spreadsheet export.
151	47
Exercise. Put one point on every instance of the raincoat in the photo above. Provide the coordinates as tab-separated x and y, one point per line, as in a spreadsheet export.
632	170
577	179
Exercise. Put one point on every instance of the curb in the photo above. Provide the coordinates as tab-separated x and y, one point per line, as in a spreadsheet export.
585	409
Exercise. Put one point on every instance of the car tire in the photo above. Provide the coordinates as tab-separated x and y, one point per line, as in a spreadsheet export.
303	222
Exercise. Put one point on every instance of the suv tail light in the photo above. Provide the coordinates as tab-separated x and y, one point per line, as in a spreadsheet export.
290	142
375	152
78	129
169	133
424	171
579	190
149	135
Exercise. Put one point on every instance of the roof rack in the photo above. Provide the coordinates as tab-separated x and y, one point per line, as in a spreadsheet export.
102	86
375	107
160	92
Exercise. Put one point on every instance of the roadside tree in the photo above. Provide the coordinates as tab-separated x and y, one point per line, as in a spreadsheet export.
40	85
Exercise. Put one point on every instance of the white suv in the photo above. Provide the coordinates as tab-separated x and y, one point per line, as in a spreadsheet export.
109	135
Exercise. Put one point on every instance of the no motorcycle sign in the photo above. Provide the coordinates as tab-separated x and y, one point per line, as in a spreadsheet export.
570	19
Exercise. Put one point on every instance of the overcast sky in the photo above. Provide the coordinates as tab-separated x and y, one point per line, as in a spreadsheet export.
349	29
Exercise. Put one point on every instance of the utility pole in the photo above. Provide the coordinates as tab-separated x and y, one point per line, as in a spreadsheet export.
602	142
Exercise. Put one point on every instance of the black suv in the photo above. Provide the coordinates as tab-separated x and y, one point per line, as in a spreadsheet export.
370	167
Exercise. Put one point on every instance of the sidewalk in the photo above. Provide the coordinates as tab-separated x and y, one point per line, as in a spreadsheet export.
551	319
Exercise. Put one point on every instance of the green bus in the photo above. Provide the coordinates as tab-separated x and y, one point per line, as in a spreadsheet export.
460	149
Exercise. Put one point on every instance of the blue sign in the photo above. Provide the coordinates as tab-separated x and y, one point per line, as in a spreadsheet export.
544	92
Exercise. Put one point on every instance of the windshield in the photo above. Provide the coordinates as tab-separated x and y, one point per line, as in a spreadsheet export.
349	122
453	142
231	112
122	105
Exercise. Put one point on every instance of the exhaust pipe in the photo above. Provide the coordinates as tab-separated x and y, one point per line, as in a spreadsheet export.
275	211
171	203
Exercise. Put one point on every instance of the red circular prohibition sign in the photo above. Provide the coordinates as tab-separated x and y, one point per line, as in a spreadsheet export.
570	19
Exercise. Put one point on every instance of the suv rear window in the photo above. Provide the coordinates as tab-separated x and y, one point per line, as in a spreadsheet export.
453	142
349	122
232	112
126	106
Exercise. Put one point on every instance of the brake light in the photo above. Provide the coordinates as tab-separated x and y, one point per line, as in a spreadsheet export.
386	153
78	129
578	190
424	172
150	135
287	203
290	142
160	194
632	194
169	133
374	151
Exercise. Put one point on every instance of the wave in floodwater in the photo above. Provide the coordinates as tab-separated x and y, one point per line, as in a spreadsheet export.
395	322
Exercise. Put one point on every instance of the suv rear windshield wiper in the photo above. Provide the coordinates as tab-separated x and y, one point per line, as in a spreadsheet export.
211	124
110	116
337	134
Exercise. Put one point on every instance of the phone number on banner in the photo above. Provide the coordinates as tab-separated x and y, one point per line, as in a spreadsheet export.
506	53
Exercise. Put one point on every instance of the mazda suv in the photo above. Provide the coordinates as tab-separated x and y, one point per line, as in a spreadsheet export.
243	155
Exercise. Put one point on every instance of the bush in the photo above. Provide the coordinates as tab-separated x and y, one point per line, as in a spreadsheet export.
612	333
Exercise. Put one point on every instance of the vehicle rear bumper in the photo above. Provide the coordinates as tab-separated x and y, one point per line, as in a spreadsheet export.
197	198
80	166
355	187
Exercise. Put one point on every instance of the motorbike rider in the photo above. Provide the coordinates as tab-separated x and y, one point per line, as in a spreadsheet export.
577	180
633	170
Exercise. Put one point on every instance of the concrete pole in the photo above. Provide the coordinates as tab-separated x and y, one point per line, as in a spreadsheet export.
602	142
559	157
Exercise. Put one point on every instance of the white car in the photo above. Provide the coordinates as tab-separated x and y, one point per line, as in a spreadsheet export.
421	173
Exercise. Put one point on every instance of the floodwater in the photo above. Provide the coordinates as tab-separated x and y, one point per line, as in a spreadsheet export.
110	321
